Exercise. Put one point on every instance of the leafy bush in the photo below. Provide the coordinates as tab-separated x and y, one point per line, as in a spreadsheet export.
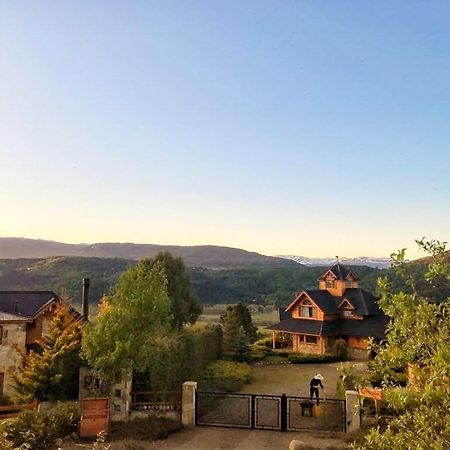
259	352
38	431
225	376
264	342
300	358
184	358
340	349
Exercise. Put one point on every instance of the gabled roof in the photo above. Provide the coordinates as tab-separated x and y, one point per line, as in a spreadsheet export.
370	327
364	302
25	304
340	272
322	298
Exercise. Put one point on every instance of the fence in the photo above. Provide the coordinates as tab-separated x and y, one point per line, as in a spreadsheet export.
156	401
269	412
9	411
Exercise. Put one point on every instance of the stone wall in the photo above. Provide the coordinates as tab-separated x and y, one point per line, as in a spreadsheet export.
119	393
14	334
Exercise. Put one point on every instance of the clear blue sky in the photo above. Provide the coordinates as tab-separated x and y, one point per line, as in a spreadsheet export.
302	127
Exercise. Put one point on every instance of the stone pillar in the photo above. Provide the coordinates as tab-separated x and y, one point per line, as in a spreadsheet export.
188	404
352	411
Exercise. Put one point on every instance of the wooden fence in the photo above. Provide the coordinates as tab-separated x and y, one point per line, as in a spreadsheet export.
9	411
156	401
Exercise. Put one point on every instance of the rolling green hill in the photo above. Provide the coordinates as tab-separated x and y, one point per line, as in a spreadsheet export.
210	256
212	286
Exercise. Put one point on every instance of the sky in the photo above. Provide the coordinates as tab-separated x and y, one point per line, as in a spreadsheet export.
314	128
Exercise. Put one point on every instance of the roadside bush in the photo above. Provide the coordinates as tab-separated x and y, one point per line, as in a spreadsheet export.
300	358
225	376
340	349
38	431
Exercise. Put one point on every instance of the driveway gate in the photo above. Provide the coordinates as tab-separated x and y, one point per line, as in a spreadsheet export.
268	412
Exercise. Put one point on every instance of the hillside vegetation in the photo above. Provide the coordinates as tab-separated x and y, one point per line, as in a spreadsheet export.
267	286
210	256
247	285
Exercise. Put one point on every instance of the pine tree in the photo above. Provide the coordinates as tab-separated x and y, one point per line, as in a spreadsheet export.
51	372
245	320
231	327
242	353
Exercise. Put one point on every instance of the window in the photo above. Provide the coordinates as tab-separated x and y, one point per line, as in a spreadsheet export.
348	284
308	310
347	313
330	284
311	339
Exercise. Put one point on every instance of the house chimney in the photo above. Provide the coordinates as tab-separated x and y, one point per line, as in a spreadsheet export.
85	298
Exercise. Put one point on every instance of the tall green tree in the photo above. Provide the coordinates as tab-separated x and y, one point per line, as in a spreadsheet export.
231	332
51	373
244	320
185	306
418	338
132	325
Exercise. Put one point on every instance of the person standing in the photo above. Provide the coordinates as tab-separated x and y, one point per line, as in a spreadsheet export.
314	386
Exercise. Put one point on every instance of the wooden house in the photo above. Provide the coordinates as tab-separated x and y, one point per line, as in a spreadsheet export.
316	318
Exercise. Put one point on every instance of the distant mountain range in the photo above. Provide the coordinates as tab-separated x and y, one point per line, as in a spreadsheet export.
207	256
379	263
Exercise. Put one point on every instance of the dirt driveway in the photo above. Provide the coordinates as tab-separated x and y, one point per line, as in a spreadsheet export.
293	379
212	438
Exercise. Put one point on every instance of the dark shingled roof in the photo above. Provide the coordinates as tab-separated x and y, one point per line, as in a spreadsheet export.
24	303
369	327
324	300
283	314
307	326
364	302
340	272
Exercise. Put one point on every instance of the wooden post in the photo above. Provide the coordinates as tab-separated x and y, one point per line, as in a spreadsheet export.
273	340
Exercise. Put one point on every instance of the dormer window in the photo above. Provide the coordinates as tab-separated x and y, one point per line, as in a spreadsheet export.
346	308
308	310
330	284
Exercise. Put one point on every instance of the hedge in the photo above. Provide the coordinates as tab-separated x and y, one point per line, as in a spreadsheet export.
300	358
184	358
225	376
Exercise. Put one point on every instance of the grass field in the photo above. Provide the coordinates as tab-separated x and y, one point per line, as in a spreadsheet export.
211	315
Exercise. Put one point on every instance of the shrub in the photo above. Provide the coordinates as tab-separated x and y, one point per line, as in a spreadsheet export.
225	376
303	358
38	431
340	349
265	342
259	352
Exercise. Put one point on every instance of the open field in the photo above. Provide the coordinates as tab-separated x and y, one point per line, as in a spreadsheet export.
211	315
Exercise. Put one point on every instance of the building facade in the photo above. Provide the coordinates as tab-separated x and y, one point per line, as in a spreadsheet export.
339	309
24	319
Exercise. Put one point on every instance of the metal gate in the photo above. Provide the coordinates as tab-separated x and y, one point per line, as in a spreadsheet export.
268	412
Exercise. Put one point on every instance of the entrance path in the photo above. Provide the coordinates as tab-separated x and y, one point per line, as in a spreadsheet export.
213	438
293	379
